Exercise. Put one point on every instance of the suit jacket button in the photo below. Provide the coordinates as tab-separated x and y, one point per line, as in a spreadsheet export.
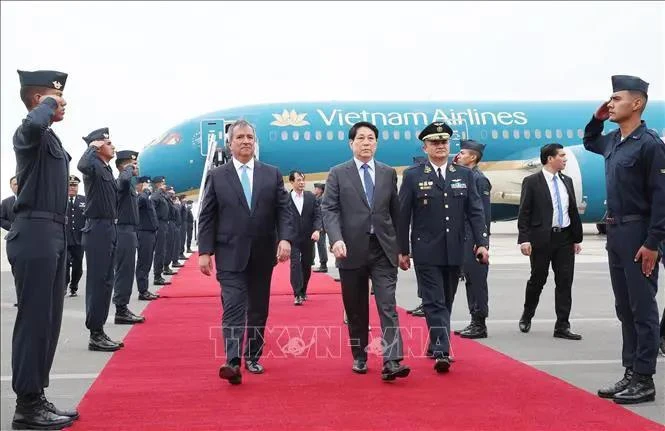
447	230
447	218
446	205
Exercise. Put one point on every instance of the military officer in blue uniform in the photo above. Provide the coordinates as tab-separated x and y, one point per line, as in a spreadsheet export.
147	234
7	206
36	249
475	273
162	209
125	255
75	222
183	227
190	226
100	235
436	197
635	179
172	242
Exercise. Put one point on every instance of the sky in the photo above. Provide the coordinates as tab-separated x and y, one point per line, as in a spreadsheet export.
140	68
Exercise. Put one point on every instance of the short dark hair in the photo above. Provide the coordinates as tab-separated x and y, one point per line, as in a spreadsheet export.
120	162
477	154
354	129
549	150
642	95
12	179
292	175
27	93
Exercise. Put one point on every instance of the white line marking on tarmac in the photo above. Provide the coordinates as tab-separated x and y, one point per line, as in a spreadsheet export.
61	377
581	362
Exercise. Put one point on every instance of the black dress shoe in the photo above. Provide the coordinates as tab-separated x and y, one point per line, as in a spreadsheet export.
119	343
189	250
459	331
418	312
442	364
254	367
359	366
640	390
297	301
182	257
37	416
160	282
566	334
126	317
475	332
231	373
525	325
321	269
393	369
177	265
662	345
168	272
74	414
147	296
337	279
99	343
615	388
73	294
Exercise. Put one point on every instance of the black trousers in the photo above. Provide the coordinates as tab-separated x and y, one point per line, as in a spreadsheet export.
322	249
190	231
74	266
172	245
302	258
99	241
160	248
355	294
183	239
125	265
475	274
36	252
561	254
146	249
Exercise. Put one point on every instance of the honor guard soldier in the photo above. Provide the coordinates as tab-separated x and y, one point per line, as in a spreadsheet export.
36	249
436	197
75	222
183	227
128	220
147	234
162	209
172	243
190	226
635	182
99	235
475	273
7	206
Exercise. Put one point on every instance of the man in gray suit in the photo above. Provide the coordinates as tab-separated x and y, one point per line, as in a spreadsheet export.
360	209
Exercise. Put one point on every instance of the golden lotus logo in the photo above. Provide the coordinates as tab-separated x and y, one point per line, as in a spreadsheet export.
287	118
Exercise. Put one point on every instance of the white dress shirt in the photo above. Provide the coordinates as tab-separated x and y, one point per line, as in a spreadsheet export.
361	172
443	168
250	171
298	199
563	195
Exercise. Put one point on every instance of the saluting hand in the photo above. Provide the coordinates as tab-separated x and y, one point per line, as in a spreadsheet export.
648	259
283	251
339	249
59	100
603	112
205	264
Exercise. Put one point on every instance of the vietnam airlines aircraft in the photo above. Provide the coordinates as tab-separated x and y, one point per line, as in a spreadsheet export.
312	137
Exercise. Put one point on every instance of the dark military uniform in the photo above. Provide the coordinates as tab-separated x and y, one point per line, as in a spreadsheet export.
75	222
190	226
436	210
36	250
475	273
635	180
177	227
162	209
125	256
7	215
183	229
99	240
147	233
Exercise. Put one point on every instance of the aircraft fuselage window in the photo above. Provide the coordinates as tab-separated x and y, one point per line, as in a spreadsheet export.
516	134
407	134
273	136
569	134
340	135
559	134
296	135
318	135
285	135
483	134
527	134
464	135
385	135
495	134
329	135
307	135
548	133
580	133
537	133
505	134
396	135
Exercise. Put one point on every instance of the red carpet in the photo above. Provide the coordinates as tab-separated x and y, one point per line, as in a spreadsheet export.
189	282
166	378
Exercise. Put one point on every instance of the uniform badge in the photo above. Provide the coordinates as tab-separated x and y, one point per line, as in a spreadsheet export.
662	171
106	135
439	129
57	85
425	202
452	168
133	157
427	169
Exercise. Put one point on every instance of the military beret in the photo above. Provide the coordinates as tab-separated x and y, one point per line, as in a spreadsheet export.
436	131
158	179
630	83
43	78
321	186
126	155
97	135
472	145
143	179
73	179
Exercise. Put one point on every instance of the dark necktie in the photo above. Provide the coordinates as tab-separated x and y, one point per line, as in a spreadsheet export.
369	184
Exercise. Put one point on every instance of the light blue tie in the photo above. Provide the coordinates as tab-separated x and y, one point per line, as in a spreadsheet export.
369	184
558	201
244	180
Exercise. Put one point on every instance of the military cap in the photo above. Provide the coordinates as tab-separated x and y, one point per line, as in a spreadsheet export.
321	186
169	189
43	78
126	155
189	202
630	83
143	179
97	135
472	145
73	179
436	131
158	179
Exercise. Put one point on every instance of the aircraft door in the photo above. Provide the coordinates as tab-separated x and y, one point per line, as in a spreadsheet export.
460	133
212	135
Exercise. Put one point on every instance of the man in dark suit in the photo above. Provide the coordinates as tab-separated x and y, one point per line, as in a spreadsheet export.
75	222
360	211
550	230
7	206
162	208
246	223
306	212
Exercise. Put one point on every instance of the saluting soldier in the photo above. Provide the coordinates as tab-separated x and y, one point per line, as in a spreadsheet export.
99	235
36	249
128	220
162	209
475	273
75	222
147	235
183	226
635	182
190	226
436	197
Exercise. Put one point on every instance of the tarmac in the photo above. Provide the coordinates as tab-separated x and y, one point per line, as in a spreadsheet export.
587	364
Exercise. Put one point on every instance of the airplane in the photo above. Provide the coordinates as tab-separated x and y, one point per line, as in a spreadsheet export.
312	137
